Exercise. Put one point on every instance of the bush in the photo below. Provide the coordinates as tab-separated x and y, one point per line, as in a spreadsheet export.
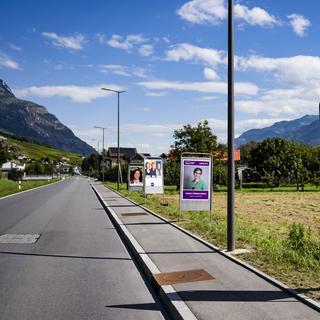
15	175
301	242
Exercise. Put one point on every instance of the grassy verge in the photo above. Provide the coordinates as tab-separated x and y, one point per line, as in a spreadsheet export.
281	230
8	187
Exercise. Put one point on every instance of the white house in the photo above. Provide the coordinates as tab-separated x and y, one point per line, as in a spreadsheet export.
8	166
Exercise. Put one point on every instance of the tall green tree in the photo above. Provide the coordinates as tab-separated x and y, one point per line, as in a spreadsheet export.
272	159
194	139
3	155
198	139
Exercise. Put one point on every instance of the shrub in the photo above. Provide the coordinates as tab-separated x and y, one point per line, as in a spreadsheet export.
15	175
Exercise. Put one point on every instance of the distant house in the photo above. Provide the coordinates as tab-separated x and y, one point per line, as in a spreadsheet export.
23	158
9	166
3	139
125	155
63	168
139	157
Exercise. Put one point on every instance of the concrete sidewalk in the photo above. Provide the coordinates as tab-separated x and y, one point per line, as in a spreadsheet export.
234	293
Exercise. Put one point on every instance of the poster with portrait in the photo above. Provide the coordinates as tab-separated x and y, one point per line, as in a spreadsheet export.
135	177
196	176
153	175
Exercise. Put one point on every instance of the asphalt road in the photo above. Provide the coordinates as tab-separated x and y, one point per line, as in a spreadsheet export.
78	268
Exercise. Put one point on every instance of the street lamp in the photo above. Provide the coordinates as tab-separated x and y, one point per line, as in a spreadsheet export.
231	169
118	160
103	128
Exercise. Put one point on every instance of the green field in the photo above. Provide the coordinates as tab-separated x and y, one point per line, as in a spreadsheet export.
8	187
38	151
280	229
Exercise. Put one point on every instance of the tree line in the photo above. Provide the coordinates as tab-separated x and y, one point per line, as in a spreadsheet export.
274	161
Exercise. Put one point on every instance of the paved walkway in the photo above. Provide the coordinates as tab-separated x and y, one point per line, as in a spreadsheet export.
234	293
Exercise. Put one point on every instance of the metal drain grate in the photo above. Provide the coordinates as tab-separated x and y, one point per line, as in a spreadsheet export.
134	214
166	278
19	238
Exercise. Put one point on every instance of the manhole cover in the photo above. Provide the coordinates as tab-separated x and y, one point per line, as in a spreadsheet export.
19	238
165	278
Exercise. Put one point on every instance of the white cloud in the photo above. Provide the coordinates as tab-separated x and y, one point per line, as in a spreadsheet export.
189	52
203	11
157	94
299	81
212	87
207	98
14	47
210	74
75	42
7	62
299	24
123	70
146	50
79	94
130	43
255	16
213	12
140	72
166	40
127	43
147	109
281	103
115	69
293	70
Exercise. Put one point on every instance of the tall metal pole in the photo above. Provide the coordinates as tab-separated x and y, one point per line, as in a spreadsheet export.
103	164
118	157
231	168
102	150
118	182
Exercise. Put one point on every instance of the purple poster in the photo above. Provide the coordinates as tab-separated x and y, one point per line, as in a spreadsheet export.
196	179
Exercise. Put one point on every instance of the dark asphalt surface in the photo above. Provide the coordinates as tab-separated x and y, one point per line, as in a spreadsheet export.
78	269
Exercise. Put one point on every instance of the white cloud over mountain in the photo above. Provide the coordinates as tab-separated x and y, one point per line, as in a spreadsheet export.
7	62
80	94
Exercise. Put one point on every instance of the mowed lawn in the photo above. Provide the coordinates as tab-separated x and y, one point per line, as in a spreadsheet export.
264	221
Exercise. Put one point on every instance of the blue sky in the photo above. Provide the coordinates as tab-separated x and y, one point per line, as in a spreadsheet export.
169	56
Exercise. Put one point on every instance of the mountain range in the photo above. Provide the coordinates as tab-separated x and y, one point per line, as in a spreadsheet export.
305	130
30	120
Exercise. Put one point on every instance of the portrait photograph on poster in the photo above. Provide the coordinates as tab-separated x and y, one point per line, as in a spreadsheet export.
196	179
135	176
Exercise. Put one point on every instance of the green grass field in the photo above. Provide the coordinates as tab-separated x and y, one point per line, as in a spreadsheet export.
8	187
38	151
280	228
